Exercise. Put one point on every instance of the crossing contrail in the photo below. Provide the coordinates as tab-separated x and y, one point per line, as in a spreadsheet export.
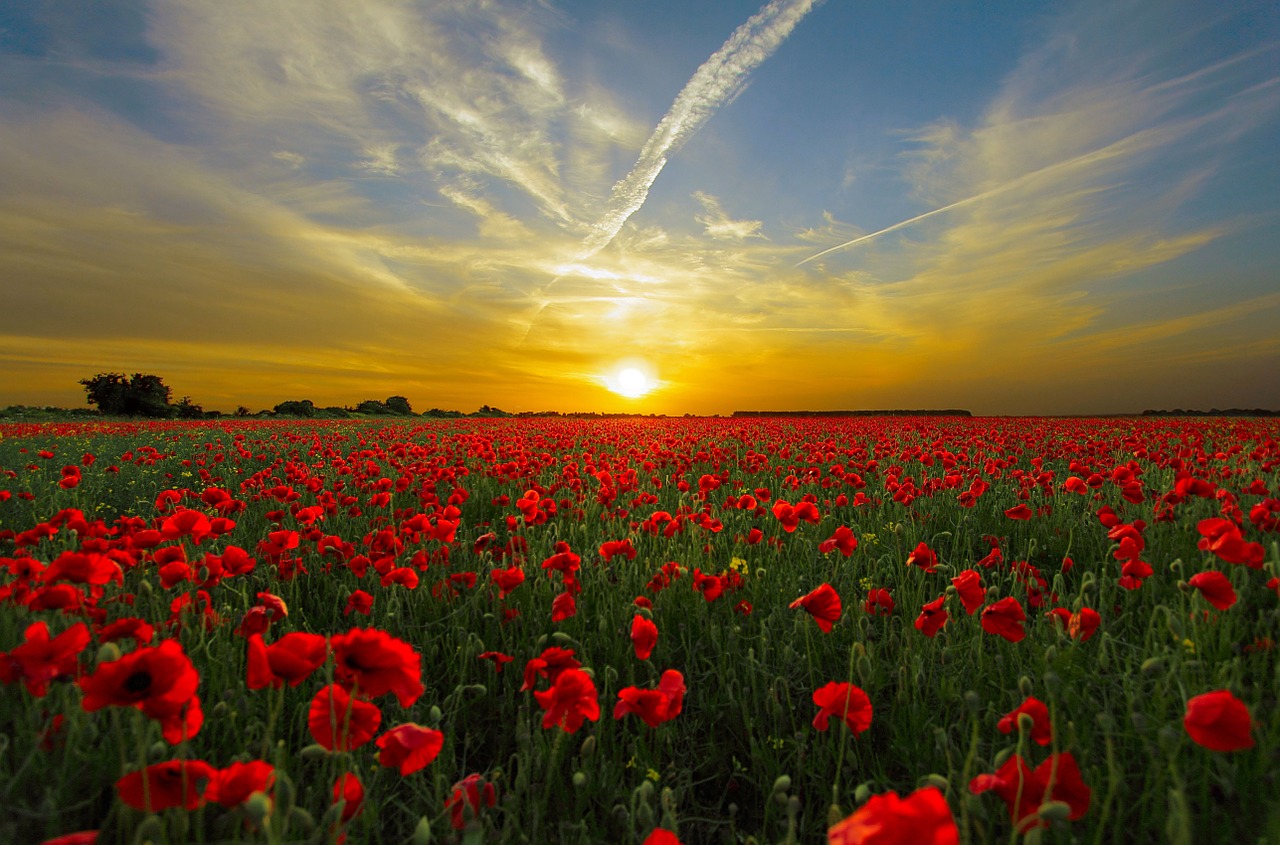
716	82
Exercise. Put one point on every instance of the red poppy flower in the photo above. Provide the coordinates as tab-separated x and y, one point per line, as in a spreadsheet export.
340	722
1223	538
159	681
922	818
292	658
932	617
1215	587
409	747
186	523
563	607
174	783
469	796
89	568
1004	619
1021	512
378	663
83	837
845	701
923	557
823	604
1083	623
661	836
1219	721
507	579
233	785
609	548
711	586
499	659
653	706
843	539
969	587
1038	711
350	791
1024	790
41	659
644	636
879	602
571	700
358	602
549	665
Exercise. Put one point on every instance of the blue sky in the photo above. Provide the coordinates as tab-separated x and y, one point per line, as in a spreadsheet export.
1027	208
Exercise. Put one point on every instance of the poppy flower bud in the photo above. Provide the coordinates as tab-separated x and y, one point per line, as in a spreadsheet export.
973	701
834	815
158	751
1024	686
434	715
563	639
1152	666
934	779
862	793
1052	680
258	807
108	652
314	751
644	792
1054	811
579	780
422	833
588	747
782	784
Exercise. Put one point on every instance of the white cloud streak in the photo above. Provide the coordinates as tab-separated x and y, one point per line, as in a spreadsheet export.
716	82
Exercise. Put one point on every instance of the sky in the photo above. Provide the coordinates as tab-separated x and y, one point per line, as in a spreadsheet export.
1008	207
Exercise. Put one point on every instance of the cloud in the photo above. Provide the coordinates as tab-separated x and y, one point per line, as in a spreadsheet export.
719	226
717	81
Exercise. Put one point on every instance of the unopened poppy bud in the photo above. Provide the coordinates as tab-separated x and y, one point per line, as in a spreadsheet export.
579	780
782	784
314	751
258	807
667	800
476	689
1025	723
1024	686
1152	666
152	828
864	669
973	701
158	751
302	819
434	715
1052	681
933	779
1054	811
1176	566
108	652
561	638
834	815
145	588
588	747
644	792
220	709
422	833
862	793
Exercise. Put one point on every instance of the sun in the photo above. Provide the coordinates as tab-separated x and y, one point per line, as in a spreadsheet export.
630	382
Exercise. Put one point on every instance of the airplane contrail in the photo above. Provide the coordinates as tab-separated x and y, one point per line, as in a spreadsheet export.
1122	147
716	82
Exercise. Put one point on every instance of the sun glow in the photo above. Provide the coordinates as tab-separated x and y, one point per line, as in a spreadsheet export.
630	382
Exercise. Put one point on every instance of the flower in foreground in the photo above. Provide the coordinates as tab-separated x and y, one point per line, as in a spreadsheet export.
1038	712
1024	790
823	604
661	836
653	706
159	681
571	700
233	785
922	818
341	722
409	747
1004	619
292	658
40	659
469	796
174	783
1215	587
844	701
1219	721
379	663
644	636
932	617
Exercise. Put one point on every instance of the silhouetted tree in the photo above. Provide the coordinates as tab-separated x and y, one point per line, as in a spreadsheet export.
372	406
296	408
138	396
188	410
399	405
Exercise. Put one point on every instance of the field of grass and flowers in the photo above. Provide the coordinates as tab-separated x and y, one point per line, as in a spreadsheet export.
641	631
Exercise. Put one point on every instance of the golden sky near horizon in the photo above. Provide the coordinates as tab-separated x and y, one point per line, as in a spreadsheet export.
1029	208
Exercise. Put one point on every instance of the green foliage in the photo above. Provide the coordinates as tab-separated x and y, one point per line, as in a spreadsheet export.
137	396
296	408
399	405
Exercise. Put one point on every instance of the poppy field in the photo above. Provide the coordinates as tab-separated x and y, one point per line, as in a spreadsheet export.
555	630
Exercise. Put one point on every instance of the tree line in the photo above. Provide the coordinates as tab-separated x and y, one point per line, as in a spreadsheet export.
146	395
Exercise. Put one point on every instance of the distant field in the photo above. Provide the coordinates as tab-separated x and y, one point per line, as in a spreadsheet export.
579	631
